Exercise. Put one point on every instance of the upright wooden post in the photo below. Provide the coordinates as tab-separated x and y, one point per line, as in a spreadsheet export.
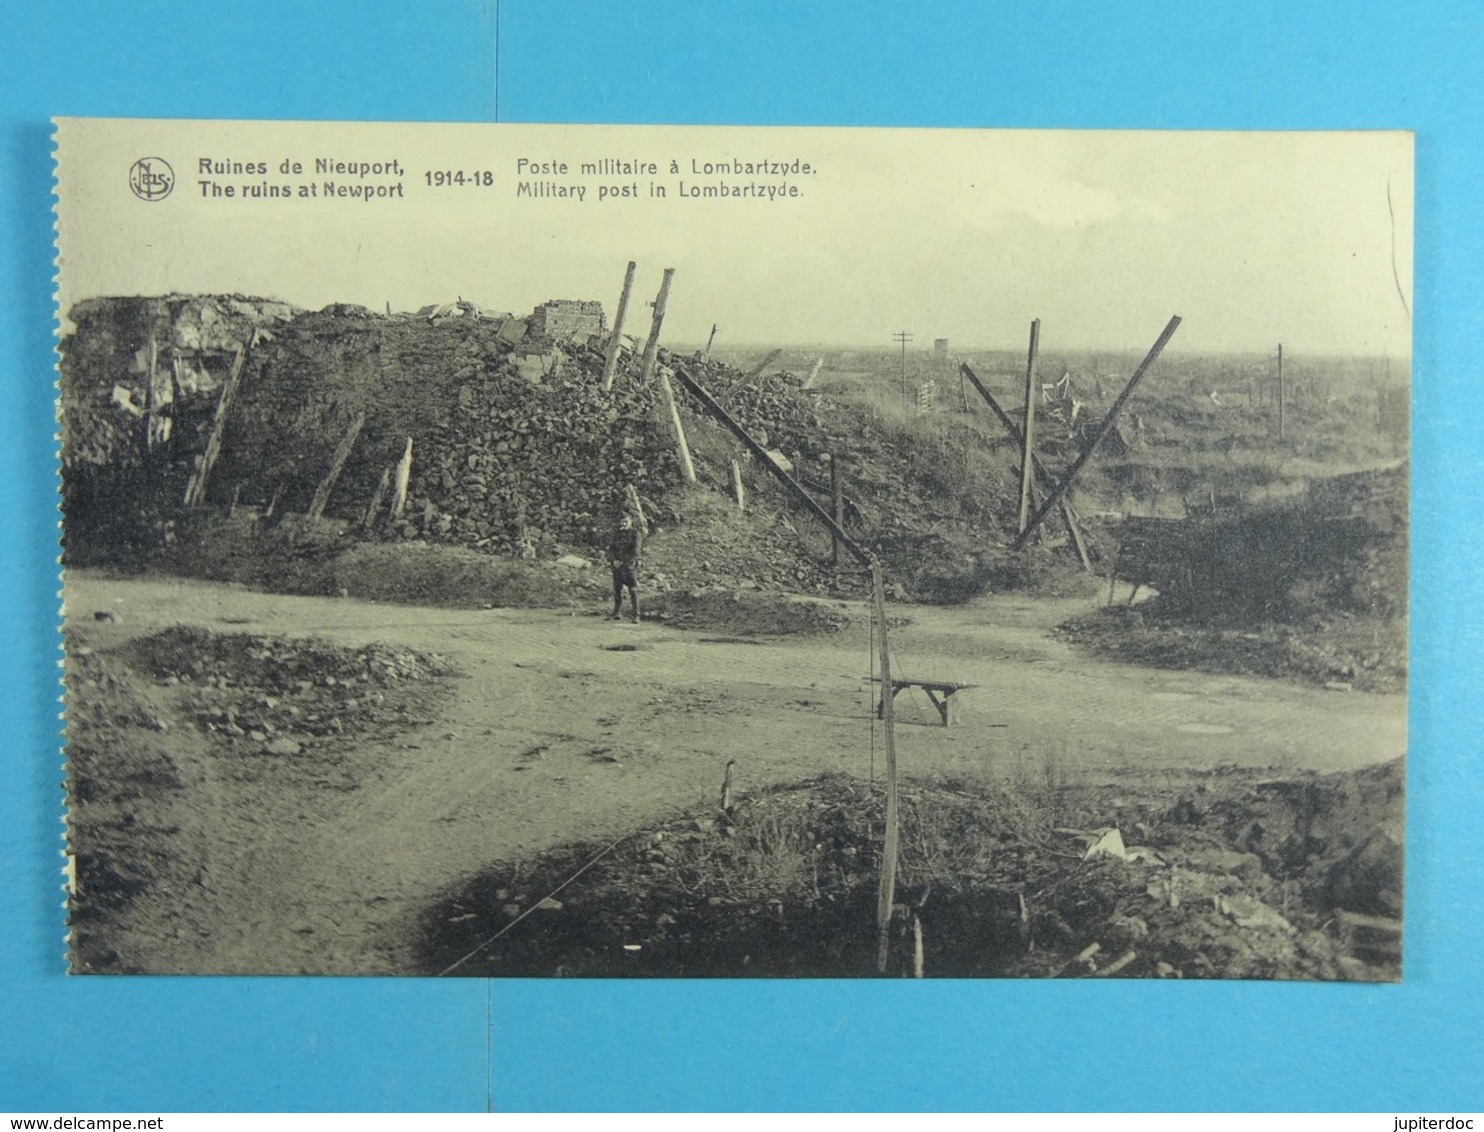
150	404
403	478
610	360
1068	514
737	488
195	493
337	464
1104	426
1027	473
837	500
651	347
687	468
886	892
1280	393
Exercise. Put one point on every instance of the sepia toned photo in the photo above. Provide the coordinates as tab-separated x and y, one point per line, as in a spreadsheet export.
583	551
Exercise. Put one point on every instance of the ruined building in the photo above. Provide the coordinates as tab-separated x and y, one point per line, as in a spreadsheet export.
565	320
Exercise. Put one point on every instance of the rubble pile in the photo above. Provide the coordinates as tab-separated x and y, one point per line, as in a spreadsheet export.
273	695
516	450
515	447
774	408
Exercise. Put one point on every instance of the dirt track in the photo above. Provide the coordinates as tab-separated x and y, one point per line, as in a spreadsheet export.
552	735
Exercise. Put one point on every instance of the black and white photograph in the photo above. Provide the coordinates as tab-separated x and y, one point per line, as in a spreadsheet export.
729	552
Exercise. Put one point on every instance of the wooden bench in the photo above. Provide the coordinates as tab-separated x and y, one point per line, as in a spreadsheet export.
940	692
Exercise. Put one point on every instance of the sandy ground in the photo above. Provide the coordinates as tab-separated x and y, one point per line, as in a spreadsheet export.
553	735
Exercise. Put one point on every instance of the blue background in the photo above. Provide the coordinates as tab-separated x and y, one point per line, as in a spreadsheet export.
243	1044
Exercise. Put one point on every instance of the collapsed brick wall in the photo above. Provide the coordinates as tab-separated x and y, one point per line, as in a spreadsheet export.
564	320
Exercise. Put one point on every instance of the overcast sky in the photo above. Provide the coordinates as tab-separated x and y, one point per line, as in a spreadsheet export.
1253	238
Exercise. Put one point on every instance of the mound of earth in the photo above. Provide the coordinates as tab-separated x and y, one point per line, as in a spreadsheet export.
218	713
1313	587
1235	877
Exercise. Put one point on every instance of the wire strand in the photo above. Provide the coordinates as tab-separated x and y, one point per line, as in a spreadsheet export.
456	964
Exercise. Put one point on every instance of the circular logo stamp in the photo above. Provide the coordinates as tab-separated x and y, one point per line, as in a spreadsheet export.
151	178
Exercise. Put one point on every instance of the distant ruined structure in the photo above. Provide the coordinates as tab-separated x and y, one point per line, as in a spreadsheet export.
565	320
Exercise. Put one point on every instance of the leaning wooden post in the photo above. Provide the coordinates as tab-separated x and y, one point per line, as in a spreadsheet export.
706	353
813	373
651	347
373	508
404	477
1027	472
610	360
337	464
767	462
886	893
1104	427
687	468
195	493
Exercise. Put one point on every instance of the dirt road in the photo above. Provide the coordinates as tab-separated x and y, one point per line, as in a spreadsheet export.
565	727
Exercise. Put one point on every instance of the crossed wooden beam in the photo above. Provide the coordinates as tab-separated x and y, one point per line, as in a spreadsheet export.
1057	497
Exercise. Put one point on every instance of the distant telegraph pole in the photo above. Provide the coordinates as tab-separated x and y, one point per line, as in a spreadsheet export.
903	336
1280	392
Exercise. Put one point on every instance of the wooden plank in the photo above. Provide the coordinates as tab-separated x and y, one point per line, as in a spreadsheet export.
610	359
337	465
757	370
886	890
1104	427
761	455
195	493
941	685
1027	455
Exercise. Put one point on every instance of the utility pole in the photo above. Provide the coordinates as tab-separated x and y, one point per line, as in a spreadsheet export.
1027	474
886	889
1280	392
903	336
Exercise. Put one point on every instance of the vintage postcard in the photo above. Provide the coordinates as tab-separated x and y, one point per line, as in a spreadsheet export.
598	551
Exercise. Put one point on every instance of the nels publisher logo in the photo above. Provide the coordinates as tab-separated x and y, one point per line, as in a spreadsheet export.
151	178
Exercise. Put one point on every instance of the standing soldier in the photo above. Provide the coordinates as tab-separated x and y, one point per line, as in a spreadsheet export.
623	557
